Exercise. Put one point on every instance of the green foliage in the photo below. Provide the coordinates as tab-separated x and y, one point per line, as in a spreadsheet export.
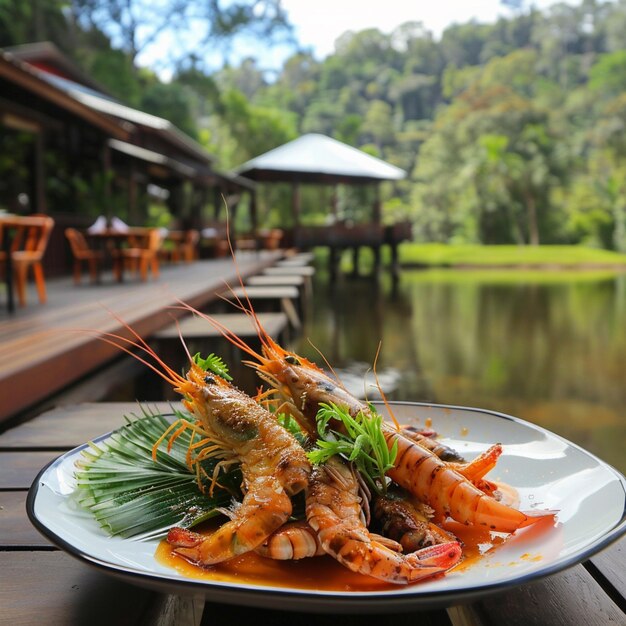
131	494
212	363
512	132
359	439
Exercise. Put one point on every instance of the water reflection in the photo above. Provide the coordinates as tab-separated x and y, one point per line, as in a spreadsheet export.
550	348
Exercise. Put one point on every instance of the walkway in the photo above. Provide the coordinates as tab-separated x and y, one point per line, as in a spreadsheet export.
39	353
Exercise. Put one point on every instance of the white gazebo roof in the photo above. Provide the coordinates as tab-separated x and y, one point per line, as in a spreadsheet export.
318	158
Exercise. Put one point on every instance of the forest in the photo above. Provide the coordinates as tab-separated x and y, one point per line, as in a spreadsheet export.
512	132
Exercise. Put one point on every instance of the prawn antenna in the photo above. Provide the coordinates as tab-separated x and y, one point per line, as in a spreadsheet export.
380	389
136	342
328	365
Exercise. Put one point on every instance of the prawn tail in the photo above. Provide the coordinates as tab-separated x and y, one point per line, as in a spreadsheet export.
481	465
265	508
291	542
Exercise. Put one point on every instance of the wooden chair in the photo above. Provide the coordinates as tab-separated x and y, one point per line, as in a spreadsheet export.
187	249
143	254
82	253
28	246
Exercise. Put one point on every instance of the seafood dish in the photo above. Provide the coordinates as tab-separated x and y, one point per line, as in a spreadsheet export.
321	472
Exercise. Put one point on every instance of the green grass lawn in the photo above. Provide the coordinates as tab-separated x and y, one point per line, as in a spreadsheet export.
442	255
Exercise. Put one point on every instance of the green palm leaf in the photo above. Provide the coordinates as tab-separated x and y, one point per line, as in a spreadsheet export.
132	495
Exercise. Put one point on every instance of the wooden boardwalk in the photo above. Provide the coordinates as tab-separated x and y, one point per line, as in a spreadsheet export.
41	352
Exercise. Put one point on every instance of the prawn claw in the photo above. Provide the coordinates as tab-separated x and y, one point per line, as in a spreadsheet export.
434	559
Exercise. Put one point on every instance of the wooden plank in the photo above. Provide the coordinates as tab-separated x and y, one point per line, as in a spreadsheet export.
55	589
64	428
278	281
264	293
610	564
570	598
293	262
216	614
289	271
239	323
18	469
283	295
307	257
15	527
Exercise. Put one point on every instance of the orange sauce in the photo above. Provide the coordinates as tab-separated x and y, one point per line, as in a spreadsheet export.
476	542
321	573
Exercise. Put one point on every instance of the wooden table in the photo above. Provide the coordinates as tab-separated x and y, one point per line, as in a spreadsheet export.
113	239
40	584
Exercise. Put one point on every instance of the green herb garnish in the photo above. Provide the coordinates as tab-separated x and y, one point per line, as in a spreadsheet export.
360	440
213	363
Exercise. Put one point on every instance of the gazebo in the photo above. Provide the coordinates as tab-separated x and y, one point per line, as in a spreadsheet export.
318	159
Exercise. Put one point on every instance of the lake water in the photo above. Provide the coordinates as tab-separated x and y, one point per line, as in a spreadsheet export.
549	347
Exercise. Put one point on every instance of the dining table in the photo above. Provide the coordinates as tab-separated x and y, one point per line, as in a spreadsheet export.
110	239
43	582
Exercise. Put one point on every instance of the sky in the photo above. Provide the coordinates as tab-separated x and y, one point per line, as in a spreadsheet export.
318	24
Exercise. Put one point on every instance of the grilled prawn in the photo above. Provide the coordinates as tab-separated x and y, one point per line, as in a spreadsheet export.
273	464
418	469
333	510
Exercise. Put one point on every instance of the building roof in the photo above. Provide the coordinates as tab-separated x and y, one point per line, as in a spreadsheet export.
317	158
51	65
107	105
30	79
150	156
44	55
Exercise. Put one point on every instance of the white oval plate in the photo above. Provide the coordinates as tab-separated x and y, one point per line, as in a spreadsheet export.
547	471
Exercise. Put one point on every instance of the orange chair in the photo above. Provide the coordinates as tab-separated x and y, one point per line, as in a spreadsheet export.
187	249
28	246
82	253
143	254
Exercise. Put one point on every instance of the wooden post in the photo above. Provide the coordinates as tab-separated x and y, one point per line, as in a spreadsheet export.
333	203
132	193
355	261
217	203
376	251
296	204
106	166
254	221
39	202
376	208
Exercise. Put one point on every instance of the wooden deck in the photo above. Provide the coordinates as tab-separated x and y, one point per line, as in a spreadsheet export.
38	581
41	352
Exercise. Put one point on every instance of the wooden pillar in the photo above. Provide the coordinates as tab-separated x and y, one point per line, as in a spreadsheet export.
355	261
376	251
132	193
376	207
333	263
217	203
39	202
333	202
296	204
254	218
106	167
